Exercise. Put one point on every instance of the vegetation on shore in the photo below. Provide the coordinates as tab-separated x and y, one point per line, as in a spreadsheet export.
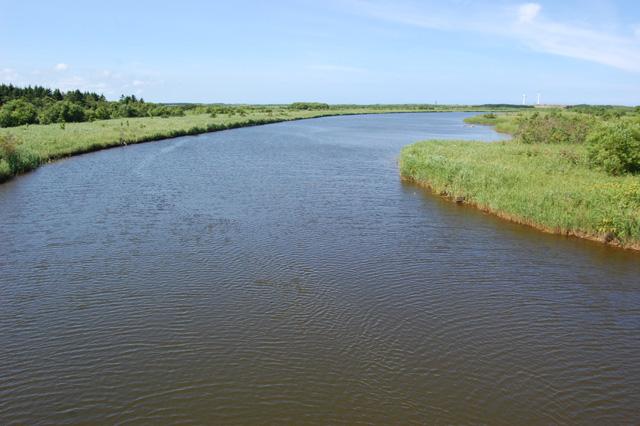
39	105
572	173
503	123
26	147
38	125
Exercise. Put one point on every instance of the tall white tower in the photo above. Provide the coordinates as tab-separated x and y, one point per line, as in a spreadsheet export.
538	98
524	99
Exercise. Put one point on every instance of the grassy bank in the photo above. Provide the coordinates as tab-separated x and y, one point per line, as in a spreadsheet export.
24	148
550	187
503	123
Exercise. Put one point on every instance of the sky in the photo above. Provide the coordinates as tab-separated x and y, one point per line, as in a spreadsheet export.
335	51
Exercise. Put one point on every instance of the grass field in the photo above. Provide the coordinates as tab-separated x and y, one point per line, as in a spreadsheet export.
550	187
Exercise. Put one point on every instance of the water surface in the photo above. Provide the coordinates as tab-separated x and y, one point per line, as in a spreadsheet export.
284	274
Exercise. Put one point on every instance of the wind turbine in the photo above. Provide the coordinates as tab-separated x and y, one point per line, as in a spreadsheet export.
538	98
524	99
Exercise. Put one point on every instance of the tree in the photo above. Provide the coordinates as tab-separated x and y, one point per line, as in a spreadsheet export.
57	95
74	96
62	112
102	112
18	112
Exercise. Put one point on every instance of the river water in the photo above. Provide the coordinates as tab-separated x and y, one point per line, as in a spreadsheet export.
285	274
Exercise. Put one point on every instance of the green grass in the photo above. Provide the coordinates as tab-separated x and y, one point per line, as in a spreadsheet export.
550	187
32	145
29	146
54	140
503	122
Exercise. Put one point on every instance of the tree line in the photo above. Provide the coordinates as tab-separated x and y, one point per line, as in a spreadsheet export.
41	105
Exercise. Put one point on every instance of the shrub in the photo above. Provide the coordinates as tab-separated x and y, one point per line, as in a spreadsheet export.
126	110
308	105
62	112
17	112
165	111
553	128
15	158
102	112
615	147
5	171
8	148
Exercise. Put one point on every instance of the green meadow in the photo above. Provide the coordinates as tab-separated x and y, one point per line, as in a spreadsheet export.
562	186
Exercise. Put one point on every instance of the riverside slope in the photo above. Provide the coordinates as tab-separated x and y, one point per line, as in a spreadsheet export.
548	187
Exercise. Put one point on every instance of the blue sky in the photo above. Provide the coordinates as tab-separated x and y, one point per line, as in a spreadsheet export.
337	51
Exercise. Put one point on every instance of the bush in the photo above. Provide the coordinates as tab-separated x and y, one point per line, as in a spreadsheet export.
553	128
15	158
165	111
102	112
308	105
18	112
615	147
62	112
126	110
5	171
8	148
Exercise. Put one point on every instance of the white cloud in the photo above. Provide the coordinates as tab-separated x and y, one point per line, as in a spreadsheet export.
528	12
9	75
525	23
61	67
563	39
111	83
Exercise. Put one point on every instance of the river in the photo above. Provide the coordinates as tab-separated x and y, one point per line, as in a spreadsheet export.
285	274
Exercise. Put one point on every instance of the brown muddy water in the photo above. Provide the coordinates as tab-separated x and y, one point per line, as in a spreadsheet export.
284	274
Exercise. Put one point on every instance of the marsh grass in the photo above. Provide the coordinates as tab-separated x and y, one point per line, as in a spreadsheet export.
503	122
38	144
24	148
550	187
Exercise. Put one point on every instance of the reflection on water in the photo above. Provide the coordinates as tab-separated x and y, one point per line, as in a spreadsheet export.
284	274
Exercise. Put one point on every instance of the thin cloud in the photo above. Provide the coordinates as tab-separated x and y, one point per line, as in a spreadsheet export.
108	82
565	40
9	75
528	12
525	22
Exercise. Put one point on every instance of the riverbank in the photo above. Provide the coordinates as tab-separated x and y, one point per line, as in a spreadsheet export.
24	148
502	123
548	187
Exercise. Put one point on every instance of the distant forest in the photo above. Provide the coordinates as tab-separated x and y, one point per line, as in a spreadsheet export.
40	105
